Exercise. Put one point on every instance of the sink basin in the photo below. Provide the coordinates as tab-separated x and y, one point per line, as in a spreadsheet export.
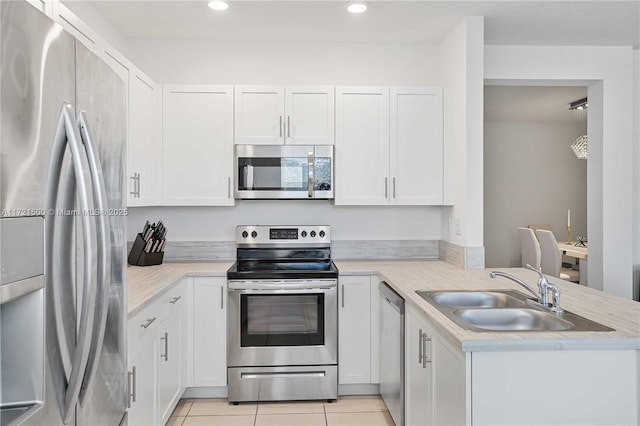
475	299
510	319
503	311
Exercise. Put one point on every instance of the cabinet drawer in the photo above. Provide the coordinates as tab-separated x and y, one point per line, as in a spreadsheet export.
145	322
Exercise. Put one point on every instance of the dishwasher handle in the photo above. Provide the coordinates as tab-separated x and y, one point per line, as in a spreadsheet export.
394	299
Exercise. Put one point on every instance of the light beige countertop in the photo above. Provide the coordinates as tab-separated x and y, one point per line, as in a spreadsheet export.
144	283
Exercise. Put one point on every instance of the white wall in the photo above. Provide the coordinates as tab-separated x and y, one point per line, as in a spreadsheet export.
530	176
611	71
97	22
348	223
462	74
210	62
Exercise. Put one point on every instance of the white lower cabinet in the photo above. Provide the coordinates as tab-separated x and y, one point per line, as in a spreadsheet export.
157	342
435	375
142	384
210	331
170	369
358	330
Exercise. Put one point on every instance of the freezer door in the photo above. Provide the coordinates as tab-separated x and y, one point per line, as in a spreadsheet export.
37	77
102	97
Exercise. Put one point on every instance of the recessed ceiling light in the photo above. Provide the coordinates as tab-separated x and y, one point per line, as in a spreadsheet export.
357	7
218	5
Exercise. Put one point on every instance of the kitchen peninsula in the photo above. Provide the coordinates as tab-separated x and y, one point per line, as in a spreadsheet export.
585	377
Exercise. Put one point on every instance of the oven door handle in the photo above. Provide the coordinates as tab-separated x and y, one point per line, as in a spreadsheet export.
262	287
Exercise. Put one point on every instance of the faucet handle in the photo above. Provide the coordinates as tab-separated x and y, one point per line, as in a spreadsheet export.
543	279
543	285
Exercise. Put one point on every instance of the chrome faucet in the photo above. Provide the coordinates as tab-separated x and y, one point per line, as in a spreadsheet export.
544	286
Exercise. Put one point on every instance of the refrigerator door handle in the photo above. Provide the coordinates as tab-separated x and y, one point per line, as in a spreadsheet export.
104	255
67	134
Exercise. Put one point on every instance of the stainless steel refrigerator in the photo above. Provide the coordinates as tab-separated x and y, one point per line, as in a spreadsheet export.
62	150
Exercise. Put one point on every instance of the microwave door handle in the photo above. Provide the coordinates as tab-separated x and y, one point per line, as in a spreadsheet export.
311	161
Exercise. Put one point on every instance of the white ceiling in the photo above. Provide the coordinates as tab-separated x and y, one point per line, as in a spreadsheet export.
532	104
506	22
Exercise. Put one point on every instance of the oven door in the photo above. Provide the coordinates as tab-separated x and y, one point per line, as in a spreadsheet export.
279	323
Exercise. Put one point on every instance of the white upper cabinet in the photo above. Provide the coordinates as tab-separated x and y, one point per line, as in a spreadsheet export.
389	146
197	145
362	146
259	115
144	141
309	115
416	146
275	115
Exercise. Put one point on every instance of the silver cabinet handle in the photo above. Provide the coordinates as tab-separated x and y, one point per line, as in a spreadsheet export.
135	185
280	126
394	187
148	323
229	187
288	126
132	386
175	300
420	346
166	346
311	165
386	187
425	358
342	295
221	298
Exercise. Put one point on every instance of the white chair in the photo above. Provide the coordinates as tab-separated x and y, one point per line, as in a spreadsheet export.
552	259
530	247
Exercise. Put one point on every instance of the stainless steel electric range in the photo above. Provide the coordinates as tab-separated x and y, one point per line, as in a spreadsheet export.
283	315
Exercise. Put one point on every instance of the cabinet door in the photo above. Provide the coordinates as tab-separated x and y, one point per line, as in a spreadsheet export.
142	398
362	146
210	331
143	146
170	343
197	146
259	115
449	383
416	146
418	372
354	330
309	115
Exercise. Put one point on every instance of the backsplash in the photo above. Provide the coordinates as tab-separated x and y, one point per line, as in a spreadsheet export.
348	249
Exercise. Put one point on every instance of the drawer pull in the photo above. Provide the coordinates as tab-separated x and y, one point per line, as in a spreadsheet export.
148	323
175	299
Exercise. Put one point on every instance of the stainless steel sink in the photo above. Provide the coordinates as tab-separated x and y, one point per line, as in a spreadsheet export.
504	311
510	319
475	299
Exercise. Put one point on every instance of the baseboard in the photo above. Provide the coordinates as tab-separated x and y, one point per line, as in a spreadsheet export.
206	392
359	389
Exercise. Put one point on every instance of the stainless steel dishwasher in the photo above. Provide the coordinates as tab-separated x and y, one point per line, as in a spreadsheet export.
392	352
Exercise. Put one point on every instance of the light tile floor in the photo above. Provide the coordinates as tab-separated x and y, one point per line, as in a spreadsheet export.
346	411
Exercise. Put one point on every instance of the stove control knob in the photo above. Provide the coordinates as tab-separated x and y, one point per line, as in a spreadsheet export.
313	234
245	234
303	234
254	234
322	234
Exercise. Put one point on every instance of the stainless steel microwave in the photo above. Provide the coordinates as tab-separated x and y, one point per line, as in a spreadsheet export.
283	172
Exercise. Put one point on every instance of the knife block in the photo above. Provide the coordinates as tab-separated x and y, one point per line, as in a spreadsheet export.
138	257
